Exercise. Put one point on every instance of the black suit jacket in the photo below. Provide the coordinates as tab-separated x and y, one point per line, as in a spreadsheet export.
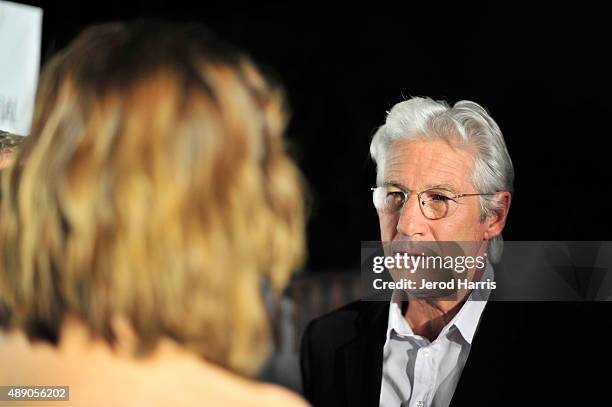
523	354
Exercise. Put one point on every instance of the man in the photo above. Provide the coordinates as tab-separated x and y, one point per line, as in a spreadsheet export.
424	352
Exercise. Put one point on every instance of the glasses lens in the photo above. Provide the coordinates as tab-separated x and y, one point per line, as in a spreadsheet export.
437	204
388	200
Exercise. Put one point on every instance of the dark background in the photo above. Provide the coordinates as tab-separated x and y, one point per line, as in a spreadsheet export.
543	74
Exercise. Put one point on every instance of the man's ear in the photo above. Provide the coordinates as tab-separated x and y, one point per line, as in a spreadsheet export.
496	221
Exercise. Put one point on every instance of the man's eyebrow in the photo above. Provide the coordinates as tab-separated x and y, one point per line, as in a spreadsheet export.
396	185
444	186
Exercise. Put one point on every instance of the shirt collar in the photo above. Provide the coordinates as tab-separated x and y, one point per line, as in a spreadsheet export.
466	320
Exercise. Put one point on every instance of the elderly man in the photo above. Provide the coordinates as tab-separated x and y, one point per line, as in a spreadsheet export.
413	351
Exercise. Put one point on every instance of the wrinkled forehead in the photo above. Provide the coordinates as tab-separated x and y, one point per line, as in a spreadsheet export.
423	164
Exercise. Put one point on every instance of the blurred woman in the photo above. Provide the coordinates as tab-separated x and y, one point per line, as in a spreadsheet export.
141	217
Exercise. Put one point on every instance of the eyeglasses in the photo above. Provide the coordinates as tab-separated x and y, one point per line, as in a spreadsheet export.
434	203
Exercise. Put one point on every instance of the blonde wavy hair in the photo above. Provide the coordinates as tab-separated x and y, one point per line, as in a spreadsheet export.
154	186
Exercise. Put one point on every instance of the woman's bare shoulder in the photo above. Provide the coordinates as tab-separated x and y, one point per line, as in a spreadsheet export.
273	395
172	376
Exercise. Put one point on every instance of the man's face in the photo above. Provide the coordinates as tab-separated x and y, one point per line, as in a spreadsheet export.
418	165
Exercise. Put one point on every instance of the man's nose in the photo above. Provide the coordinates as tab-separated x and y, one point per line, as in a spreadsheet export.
411	221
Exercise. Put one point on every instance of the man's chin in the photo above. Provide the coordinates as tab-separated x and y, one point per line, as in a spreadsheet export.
432	295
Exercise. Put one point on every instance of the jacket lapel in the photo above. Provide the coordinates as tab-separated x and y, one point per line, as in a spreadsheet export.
495	342
363	357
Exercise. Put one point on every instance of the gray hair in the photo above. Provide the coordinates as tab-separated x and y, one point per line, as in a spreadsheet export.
466	121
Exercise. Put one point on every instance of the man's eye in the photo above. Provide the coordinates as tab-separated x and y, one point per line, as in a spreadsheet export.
395	197
440	197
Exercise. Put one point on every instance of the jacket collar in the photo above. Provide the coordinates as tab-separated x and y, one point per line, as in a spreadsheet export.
363	356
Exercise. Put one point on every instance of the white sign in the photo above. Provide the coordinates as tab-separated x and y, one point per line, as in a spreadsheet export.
20	32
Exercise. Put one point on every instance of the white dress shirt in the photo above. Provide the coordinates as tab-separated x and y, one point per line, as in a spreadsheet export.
420	373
